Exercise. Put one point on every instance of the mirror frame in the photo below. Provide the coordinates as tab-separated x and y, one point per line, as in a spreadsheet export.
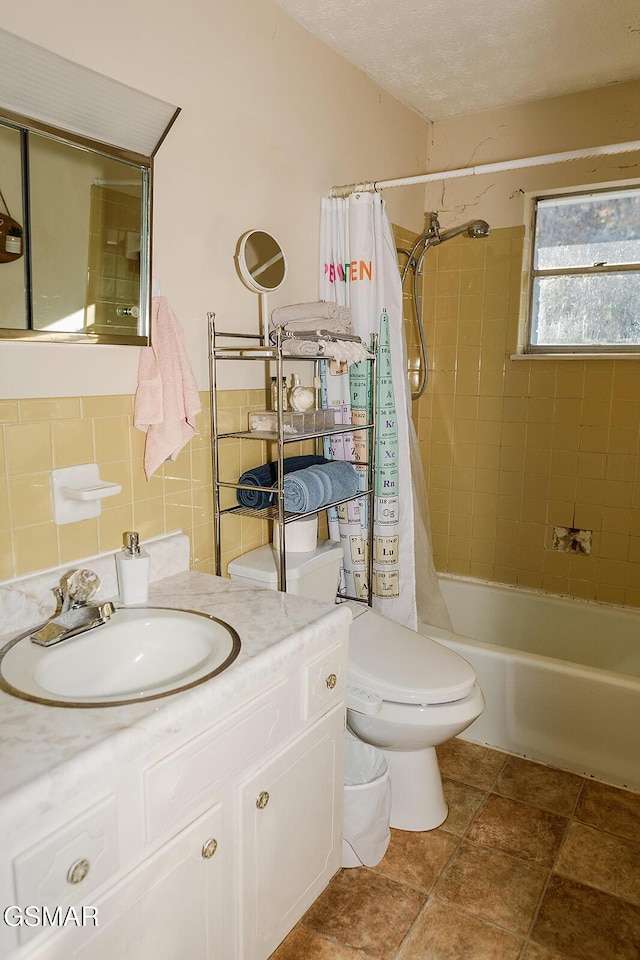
245	273
115	153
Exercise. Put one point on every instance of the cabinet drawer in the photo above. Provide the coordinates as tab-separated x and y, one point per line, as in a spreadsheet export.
62	869
325	681
178	787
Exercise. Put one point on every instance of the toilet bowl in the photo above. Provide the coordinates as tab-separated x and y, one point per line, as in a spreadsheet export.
406	693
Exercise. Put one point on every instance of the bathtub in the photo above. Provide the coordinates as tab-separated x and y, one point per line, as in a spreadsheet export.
561	677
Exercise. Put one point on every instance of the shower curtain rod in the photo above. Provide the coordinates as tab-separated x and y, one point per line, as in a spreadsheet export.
347	189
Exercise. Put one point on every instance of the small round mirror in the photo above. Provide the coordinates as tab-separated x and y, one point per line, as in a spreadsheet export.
261	262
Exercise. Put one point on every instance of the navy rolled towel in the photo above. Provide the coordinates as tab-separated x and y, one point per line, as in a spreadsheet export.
312	488
267	476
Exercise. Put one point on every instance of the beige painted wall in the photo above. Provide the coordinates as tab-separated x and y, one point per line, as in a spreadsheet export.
271	118
582	120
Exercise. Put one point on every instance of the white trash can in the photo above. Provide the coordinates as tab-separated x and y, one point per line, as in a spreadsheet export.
367	804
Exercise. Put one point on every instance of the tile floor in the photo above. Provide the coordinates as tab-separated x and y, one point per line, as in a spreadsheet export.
532	863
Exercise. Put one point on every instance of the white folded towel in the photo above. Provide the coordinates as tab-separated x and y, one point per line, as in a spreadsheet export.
167	398
302	348
308	317
345	351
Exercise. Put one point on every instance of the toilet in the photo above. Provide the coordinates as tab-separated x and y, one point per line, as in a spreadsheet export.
406	693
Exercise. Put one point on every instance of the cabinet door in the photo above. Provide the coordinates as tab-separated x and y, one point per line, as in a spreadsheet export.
291	834
171	906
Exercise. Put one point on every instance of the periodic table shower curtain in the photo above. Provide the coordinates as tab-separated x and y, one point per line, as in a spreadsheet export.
359	269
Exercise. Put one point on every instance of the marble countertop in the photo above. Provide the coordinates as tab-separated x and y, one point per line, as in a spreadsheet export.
44	749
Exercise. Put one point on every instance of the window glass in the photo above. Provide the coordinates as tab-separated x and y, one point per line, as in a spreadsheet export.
585	279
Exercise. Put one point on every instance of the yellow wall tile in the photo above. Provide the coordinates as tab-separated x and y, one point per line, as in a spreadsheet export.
56	408
6	556
34	548
72	442
30	499
555	442
5	519
78	540
8	411
99	407
111	438
28	448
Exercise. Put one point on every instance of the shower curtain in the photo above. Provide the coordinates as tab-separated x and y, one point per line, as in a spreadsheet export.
359	269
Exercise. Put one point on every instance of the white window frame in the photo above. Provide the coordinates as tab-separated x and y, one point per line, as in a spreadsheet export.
526	348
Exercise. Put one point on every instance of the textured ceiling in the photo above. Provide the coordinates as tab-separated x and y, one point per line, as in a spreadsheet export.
446	58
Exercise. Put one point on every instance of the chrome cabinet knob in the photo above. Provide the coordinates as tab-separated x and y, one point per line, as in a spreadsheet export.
262	800
209	848
78	871
331	681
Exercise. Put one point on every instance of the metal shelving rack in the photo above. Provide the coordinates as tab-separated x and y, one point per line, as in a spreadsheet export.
253	348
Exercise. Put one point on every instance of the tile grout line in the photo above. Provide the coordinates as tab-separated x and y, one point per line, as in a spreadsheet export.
543	892
431	896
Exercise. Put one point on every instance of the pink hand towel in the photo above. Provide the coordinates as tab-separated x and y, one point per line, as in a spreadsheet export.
167	399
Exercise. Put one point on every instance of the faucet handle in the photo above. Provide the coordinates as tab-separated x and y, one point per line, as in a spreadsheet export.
81	586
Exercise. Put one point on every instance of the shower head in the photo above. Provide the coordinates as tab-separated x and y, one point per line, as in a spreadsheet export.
475	230
433	236
479	228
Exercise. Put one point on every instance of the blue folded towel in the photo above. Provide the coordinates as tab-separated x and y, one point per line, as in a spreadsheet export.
267	476
314	487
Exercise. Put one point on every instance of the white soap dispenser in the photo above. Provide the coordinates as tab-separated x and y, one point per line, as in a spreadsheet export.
132	567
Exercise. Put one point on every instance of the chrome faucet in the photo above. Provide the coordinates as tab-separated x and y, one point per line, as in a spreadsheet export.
75	589
74	614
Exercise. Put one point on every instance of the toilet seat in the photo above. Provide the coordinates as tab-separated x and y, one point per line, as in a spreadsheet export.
402	666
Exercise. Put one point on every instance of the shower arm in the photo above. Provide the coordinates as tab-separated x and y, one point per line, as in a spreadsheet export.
432	237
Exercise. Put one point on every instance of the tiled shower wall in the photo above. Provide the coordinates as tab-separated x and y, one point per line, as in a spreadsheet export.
37	436
513	447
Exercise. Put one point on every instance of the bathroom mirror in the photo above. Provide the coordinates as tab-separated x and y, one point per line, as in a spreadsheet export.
76	166
84	272
261	261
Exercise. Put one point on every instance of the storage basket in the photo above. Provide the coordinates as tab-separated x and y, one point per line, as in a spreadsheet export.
294	421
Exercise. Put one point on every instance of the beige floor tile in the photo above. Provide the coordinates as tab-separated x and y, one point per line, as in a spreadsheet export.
471	763
541	786
601	860
443	932
464	802
587	924
535	952
519	830
417	859
610	809
303	944
493	886
364	911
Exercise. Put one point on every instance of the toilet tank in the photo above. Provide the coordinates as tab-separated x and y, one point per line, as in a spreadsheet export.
314	574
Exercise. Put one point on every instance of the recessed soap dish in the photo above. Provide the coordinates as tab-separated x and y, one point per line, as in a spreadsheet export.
77	492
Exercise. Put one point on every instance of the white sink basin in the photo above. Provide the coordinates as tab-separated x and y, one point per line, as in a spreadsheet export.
140	654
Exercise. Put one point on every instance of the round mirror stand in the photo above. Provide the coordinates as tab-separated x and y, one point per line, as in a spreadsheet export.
263	268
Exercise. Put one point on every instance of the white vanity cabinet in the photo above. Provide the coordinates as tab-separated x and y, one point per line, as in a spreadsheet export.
171	903
291	821
216	842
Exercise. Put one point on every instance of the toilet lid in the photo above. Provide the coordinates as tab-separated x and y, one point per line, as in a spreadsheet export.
398	664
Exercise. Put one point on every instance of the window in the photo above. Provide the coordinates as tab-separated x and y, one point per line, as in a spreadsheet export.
585	273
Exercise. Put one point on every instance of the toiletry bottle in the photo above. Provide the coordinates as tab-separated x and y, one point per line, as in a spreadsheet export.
275	393
132	567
